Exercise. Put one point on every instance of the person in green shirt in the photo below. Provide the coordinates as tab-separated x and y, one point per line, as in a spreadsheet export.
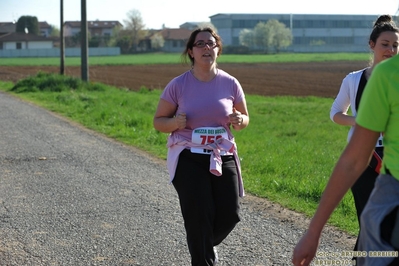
379	234
383	42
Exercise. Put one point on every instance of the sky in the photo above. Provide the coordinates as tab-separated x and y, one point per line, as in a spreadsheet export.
173	13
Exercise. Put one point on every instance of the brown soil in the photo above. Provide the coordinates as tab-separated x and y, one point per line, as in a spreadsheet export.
321	79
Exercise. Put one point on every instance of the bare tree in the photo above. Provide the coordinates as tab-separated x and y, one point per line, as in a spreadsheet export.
135	28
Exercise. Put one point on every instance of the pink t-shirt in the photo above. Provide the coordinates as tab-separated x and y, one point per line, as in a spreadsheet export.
206	104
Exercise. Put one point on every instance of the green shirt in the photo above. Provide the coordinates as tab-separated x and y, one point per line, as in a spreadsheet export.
379	110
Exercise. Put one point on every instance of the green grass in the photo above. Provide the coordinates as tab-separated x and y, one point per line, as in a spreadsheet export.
288	151
173	58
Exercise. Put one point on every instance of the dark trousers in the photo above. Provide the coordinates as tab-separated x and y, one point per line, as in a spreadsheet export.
209	203
361	191
363	187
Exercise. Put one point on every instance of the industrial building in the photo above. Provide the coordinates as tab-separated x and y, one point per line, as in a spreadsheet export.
311	33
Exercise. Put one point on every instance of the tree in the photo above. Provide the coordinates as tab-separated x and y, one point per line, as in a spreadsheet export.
95	41
260	36
157	41
124	42
55	32
27	24
135	28
279	35
116	34
269	37
246	37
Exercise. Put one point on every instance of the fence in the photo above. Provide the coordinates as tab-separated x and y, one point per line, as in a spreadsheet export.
55	52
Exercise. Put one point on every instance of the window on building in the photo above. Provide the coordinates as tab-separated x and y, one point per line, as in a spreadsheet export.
342	24
327	40
236	41
18	45
252	23
319	24
224	23
286	22
236	23
360	24
309	24
1	46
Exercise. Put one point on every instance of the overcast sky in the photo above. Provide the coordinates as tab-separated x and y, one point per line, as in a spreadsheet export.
173	13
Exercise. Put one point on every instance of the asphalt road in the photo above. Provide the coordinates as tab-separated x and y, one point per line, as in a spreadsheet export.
70	196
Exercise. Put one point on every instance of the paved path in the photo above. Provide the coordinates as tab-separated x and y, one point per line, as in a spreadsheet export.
69	196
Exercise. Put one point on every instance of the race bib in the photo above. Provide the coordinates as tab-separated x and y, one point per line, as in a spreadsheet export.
206	135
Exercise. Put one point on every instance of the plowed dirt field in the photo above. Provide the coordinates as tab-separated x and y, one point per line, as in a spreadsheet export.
320	79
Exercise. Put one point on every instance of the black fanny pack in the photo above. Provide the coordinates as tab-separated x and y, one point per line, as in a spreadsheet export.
376	159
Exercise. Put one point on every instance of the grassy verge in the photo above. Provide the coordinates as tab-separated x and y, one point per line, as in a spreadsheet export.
173	58
287	152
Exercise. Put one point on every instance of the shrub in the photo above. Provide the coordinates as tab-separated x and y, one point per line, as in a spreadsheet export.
54	83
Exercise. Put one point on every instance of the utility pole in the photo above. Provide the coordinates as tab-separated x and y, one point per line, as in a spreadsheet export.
62	39
83	43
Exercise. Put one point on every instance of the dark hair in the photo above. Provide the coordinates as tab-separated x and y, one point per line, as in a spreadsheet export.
384	23
191	40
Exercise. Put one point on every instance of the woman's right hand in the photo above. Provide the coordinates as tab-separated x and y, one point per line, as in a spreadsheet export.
305	250
181	121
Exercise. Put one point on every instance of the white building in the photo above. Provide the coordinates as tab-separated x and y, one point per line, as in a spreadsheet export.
96	28
21	41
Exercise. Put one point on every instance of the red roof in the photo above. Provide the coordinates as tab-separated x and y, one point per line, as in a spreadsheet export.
7	27
11	26
44	24
175	34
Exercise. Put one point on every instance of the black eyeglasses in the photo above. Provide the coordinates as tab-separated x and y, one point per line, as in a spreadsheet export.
202	44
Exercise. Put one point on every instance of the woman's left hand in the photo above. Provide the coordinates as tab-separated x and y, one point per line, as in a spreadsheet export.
236	118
